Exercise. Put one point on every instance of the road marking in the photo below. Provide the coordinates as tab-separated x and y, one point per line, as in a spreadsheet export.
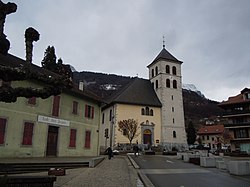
169	161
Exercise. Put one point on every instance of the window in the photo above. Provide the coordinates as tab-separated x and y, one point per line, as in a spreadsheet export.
172	97
151	112
110	115
174	84
3	122
124	132
87	139
103	118
172	109
156	70
174	134
167	69
72	139
156	84
147	111
173	121
168	83
207	137
56	106
241	133
27	133
89	111
75	107
153	73
203	137
174	70
32	101
142	111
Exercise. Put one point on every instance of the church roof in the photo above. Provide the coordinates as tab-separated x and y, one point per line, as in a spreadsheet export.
164	55
138	92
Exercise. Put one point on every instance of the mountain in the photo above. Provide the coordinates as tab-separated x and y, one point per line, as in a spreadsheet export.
196	106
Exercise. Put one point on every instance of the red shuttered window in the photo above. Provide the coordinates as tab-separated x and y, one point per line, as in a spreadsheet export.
56	106
87	139
89	111
2	129
27	133
72	141
32	101
75	107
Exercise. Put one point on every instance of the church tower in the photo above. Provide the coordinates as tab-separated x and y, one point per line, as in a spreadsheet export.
165	76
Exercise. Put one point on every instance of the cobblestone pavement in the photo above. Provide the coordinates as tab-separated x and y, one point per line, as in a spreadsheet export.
109	173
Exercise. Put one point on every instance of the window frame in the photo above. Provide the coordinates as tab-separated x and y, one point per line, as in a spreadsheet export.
72	138
28	131
87	143
75	106
3	126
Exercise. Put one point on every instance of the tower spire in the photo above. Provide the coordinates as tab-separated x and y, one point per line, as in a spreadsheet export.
163	41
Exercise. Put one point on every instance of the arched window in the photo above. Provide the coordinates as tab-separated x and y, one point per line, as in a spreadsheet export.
174	70
156	84
147	111
156	70
167	69
174	84
168	83
142	111
152	72
151	112
174	134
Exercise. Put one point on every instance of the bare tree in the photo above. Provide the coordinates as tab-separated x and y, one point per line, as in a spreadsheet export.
129	128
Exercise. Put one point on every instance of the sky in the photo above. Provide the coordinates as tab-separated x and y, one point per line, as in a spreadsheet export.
211	37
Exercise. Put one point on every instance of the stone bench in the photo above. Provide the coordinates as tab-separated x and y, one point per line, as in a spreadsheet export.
239	167
188	156
220	164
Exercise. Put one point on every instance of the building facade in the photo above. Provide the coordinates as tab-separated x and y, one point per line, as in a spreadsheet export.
237	113
165	76
66	125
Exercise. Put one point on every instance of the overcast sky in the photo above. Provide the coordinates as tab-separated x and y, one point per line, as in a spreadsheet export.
211	37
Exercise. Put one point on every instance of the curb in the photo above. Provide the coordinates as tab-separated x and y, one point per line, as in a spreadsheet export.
142	176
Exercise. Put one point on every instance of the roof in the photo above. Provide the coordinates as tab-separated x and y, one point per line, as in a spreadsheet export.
213	129
137	92
165	55
238	99
15	62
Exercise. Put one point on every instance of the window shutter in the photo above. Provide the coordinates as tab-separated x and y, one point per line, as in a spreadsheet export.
87	139
56	106
75	107
72	142
2	129
32	101
27	133
93	111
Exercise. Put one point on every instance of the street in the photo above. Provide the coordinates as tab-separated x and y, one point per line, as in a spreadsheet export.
167	171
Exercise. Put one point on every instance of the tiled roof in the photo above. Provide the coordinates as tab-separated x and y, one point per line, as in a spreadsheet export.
164	55
138	92
212	129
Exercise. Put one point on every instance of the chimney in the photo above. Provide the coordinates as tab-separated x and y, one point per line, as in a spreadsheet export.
30	36
81	85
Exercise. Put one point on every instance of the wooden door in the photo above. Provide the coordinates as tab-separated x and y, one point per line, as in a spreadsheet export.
52	141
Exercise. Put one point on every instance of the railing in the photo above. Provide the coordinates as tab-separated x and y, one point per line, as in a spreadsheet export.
236	112
243	124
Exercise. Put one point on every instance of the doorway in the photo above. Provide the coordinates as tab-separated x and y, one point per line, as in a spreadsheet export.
147	137
52	141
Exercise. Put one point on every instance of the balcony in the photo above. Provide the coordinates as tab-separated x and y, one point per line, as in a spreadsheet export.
236	113
235	125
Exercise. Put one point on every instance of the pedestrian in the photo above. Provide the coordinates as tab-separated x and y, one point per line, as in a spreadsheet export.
110	152
136	150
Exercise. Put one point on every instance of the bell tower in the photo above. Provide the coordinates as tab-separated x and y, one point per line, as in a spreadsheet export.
165	76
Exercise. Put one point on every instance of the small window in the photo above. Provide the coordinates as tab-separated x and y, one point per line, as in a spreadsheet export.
32	101
72	141
75	107
174	84
172	97
156	84
168	83
153	73
167	69
3	123
156	70
27	133
151	112
174	70
172	109
142	111
110	115
207	137
89	111
173	121
124	132
174	134
103	118
87	139
147	111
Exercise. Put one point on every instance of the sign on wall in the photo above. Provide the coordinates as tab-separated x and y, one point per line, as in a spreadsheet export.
55	121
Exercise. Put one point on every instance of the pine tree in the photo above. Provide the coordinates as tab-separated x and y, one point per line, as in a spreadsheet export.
49	60
191	133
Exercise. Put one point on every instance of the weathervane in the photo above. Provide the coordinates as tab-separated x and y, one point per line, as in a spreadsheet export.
163	41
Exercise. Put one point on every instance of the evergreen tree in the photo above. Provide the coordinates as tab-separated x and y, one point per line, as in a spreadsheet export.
191	133
49	60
